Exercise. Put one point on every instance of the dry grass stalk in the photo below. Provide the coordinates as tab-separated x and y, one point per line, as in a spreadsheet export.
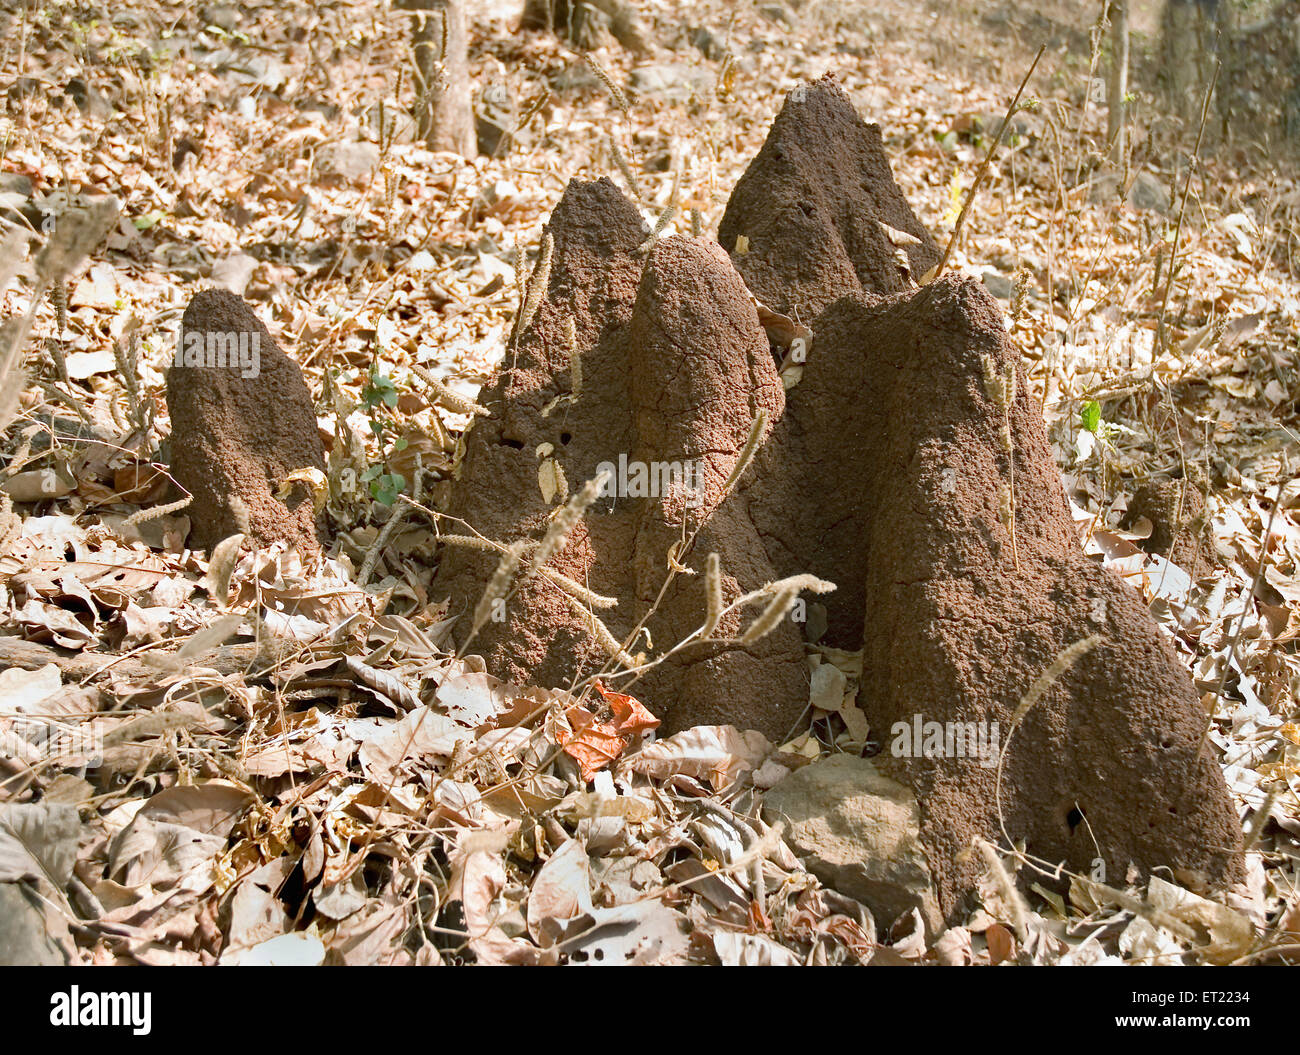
395	517
670	210
575	358
601	633
1007	888
771	617
1260	819
497	588
128	366
59	298
615	92
748	451
713	596
576	590
451	400
566	520
1162	336
537	286
517	262
221	565
798	583
470	542
623	167
1064	660
154	512
984	168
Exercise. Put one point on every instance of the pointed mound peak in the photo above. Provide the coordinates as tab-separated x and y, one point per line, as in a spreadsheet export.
597	216
817	214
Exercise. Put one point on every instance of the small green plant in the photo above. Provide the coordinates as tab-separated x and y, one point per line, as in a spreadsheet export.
1096	435
379	398
1090	416
385	488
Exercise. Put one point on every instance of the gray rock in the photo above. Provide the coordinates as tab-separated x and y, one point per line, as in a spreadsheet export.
15	183
352	161
223	16
858	831
1148	192
574	78
15	199
1023	123
494	119
670	80
234	272
776	13
32	934
999	285
707	43
88	99
1103	188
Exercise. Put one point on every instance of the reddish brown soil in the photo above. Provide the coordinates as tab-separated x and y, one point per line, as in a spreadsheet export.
674	367
234	438
811	205
957	628
1179	528
882	472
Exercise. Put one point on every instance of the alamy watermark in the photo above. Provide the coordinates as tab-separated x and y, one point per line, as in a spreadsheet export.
60	742
76	1008
634	479
921	739
220	350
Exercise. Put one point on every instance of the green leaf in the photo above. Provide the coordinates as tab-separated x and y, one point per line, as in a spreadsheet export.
379	389
1090	415
386	489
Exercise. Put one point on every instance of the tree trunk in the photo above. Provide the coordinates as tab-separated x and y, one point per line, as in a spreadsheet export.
1189	44
584	23
1117	86
444	113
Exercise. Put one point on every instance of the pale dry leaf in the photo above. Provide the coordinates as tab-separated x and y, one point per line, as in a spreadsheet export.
719	754
561	892
38	841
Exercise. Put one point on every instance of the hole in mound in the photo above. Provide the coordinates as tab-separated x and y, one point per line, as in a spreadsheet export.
565	437
1073	818
516	444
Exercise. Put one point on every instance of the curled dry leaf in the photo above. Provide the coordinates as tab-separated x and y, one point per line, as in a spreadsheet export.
719	754
594	743
561	893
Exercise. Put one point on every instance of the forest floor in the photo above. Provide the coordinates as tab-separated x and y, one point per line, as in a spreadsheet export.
243	781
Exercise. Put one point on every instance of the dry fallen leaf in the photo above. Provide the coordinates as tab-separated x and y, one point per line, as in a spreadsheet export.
594	743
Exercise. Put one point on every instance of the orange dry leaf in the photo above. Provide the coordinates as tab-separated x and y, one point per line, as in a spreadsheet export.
1002	945
630	715
594	744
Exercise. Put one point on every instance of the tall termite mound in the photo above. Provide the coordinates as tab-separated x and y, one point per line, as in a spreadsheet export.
242	421
908	465
652	363
817	214
925	488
